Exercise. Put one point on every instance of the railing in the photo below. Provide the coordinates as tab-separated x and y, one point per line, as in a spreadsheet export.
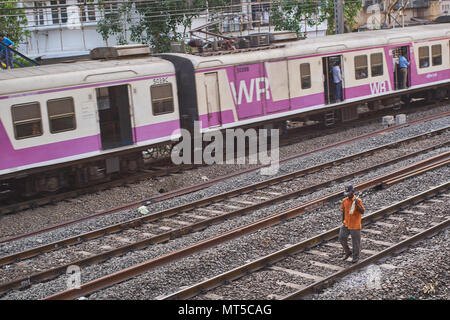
10	58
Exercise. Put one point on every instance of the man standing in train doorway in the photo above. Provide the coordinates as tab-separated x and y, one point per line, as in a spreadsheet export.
352	210
337	79
403	64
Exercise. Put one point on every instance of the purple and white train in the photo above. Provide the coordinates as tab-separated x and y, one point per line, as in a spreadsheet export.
77	123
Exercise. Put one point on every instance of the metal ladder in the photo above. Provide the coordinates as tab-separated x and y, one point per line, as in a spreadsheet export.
329	119
15	59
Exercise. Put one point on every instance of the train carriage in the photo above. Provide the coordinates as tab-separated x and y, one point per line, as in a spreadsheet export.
265	85
78	123
90	117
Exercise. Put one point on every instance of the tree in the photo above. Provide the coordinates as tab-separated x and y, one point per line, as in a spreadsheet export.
291	14
13	21
153	22
352	9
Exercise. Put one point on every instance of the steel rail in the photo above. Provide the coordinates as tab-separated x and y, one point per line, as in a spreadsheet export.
77	192
201	186
405	176
173	211
54	272
328	281
176	193
142	244
133	271
272	258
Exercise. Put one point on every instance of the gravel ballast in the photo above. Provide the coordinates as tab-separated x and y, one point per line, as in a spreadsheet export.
231	254
230	184
35	219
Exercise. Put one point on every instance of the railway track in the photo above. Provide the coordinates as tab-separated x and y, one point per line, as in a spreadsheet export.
251	191
271	220
168	224
314	264
163	169
183	191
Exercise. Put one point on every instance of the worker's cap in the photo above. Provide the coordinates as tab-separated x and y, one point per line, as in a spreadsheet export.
349	189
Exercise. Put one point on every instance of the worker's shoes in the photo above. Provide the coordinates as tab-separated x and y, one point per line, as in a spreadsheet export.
346	255
355	261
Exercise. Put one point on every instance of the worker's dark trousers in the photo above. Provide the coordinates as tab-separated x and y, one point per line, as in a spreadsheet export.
356	241
404	77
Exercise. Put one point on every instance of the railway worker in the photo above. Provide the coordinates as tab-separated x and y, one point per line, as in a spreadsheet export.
352	210
403	64
4	52
337	79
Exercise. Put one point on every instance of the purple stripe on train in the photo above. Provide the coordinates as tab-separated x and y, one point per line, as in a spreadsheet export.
11	158
431	77
111	83
216	118
157	130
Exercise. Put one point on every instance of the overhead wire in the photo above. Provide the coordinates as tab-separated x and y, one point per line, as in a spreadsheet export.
55	16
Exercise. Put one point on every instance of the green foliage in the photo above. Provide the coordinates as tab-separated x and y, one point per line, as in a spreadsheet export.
153	22
291	14
114	20
12	21
351	11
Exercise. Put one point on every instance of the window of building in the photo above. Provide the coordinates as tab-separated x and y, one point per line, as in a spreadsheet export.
27	120
59	11
361	68
87	10
436	54
305	74
39	19
424	57
376	64
162	98
61	115
110	8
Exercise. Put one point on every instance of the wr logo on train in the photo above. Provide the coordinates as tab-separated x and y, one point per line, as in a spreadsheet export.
259	86
378	87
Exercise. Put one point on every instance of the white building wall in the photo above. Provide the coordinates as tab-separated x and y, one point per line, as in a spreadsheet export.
67	35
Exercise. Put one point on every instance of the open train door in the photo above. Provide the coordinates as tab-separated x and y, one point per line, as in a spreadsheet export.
398	76
114	115
330	88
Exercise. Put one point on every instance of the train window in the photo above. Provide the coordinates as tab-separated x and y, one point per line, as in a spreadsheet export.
305	74
162	98
361	68
376	64
436	54
27	120
424	57
61	115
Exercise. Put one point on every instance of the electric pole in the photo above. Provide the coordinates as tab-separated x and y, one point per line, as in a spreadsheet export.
339	16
